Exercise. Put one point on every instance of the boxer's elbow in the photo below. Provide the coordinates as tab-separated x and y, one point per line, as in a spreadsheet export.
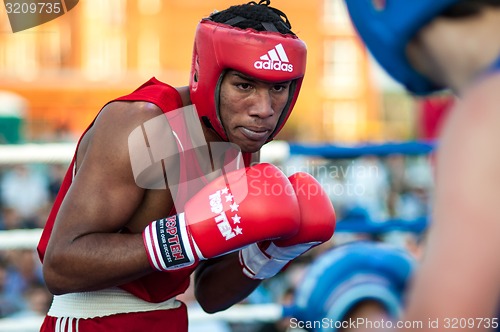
55	273
50	277
220	283
210	306
213	299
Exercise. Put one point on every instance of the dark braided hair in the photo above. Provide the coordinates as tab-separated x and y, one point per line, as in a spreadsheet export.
467	8
258	16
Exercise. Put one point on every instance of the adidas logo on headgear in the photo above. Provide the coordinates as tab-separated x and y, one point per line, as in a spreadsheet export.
275	59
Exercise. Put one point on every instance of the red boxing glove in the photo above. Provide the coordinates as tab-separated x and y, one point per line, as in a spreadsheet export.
233	211
265	259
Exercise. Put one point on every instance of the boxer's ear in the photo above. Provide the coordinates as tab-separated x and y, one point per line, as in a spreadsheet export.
27	14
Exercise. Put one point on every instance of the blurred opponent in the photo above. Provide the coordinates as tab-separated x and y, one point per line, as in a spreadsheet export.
429	45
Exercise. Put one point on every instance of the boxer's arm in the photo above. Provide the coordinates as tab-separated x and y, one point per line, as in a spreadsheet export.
85	251
220	283
460	271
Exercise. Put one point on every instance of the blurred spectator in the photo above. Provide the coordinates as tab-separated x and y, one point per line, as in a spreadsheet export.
62	133
282	325
23	270
10	219
56	177
333	181
8	303
396	165
368	181
25	191
414	199
37	302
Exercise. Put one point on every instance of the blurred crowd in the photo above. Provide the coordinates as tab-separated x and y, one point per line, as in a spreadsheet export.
26	196
371	188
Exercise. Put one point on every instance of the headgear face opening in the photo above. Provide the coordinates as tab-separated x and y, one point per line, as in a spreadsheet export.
263	55
387	26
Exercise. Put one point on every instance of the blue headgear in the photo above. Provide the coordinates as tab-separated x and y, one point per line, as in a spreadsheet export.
386	26
348	274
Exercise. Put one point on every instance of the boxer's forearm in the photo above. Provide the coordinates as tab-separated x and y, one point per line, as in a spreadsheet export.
95	261
220	283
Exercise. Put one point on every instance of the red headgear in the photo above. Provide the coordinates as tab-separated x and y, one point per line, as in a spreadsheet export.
264	55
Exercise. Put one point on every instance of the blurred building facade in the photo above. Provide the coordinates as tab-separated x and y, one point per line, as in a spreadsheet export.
67	69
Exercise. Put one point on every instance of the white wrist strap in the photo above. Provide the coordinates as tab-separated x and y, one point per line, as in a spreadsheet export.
167	244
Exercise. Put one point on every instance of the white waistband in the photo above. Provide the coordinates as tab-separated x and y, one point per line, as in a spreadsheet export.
105	302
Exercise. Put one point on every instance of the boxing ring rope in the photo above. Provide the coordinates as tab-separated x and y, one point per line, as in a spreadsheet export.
47	153
416	226
18	239
52	153
275	151
381	150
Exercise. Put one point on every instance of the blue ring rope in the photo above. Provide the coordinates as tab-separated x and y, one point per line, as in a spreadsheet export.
344	151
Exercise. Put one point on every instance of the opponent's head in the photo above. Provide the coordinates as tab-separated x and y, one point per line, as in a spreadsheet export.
253	39
347	275
386	26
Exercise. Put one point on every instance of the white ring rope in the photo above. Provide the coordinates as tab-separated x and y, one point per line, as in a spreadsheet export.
20	239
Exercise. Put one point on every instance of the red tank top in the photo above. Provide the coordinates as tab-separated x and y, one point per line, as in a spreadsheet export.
157	286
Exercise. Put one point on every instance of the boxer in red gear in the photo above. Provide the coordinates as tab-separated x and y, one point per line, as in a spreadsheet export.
96	261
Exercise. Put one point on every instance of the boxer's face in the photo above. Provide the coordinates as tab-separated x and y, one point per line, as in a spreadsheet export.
250	109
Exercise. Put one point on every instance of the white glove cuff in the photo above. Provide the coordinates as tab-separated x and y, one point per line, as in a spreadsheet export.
288	253
257	265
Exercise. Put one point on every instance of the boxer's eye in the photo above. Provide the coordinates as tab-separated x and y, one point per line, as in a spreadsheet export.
244	86
280	87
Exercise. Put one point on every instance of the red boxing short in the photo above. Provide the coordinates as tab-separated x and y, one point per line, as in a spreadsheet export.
174	320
